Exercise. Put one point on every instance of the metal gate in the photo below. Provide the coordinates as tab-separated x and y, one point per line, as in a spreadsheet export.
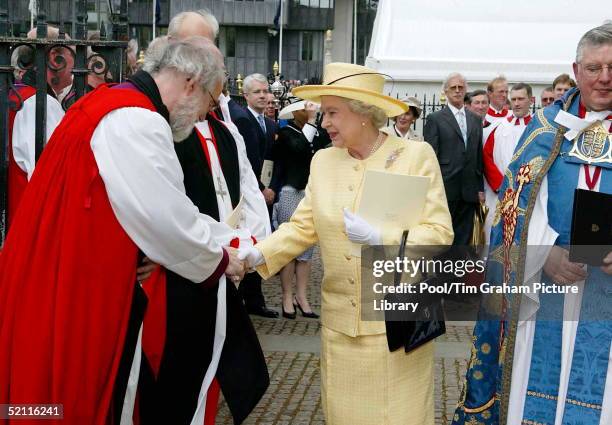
38	59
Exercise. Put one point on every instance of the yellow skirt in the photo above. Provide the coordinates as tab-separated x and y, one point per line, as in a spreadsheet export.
362	383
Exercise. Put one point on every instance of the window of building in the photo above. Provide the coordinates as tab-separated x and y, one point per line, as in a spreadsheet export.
227	41
321	4
311	45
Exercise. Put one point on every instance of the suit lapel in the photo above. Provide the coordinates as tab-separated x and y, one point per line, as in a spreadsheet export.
448	114
269	129
472	129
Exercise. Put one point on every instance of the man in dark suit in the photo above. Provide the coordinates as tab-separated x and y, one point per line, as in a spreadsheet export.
258	133
455	133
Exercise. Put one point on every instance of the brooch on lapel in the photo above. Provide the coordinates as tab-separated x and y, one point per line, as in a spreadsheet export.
392	157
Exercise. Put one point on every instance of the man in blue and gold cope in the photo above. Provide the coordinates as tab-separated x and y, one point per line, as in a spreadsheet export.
538	357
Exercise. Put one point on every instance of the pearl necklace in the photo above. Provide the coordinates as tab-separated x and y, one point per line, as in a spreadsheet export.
377	144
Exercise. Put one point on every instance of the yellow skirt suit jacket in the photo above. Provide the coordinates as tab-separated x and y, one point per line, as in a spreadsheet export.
361	381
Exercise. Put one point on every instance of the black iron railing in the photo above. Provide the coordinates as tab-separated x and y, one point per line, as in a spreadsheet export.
44	58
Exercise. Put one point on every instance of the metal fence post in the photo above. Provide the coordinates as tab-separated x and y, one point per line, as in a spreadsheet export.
5	77
80	60
40	62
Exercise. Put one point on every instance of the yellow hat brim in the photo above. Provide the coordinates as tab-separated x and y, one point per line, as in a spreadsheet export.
392	107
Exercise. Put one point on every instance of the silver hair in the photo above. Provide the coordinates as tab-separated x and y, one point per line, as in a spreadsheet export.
377	116
132	46
595	37
209	18
195	57
249	79
17	69
450	77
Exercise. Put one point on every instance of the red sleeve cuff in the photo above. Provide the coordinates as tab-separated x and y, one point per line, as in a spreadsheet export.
214	278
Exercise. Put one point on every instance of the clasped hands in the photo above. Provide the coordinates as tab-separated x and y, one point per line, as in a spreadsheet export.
235	270
236	267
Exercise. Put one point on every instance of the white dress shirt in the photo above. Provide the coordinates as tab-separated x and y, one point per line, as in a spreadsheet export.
459	114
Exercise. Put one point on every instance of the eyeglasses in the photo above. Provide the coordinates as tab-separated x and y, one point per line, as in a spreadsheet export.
456	88
548	99
593	71
213	103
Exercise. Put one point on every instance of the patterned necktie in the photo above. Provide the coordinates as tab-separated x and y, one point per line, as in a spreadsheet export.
262	123
462	125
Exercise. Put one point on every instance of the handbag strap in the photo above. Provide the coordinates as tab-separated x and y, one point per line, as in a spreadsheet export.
397	276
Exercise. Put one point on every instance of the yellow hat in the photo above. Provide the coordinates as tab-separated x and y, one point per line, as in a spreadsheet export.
353	82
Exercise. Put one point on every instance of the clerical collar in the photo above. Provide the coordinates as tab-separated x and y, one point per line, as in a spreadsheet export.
495	113
146	84
519	121
582	112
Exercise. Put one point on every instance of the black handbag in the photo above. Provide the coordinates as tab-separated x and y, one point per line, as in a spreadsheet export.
418	329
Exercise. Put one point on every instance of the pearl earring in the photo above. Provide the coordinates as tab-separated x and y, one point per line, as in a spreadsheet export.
363	123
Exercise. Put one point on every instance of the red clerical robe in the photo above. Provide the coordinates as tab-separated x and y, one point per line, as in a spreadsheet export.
17	178
67	276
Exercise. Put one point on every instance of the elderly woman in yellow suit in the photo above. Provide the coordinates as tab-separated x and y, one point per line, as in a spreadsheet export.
362	382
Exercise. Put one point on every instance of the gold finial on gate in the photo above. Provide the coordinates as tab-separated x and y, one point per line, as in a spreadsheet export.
239	83
442	98
140	60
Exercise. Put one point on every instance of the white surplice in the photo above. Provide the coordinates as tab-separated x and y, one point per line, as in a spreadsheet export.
24	131
244	235
255	210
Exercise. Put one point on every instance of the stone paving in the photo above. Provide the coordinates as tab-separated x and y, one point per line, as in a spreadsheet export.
291	348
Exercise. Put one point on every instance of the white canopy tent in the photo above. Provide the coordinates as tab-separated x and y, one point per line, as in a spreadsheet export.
420	42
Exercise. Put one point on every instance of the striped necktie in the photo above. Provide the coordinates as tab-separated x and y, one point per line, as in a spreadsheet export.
262	123
462	125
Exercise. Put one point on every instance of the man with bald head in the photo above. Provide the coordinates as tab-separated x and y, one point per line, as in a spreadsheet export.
203	23
187	24
217	176
59	71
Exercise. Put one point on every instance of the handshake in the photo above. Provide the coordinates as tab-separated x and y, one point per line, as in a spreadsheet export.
241	261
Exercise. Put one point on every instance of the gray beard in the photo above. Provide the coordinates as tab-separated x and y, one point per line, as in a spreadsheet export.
179	135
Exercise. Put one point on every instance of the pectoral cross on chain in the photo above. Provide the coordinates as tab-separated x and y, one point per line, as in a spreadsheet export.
220	192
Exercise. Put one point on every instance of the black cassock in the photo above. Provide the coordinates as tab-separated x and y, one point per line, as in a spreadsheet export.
191	314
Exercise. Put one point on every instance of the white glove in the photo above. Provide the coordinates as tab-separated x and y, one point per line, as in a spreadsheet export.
252	255
360	231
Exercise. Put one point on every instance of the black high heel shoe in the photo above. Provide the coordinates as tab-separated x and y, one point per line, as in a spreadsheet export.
288	315
309	314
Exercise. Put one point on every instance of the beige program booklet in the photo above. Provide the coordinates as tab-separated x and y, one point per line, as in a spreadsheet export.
392	199
266	172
